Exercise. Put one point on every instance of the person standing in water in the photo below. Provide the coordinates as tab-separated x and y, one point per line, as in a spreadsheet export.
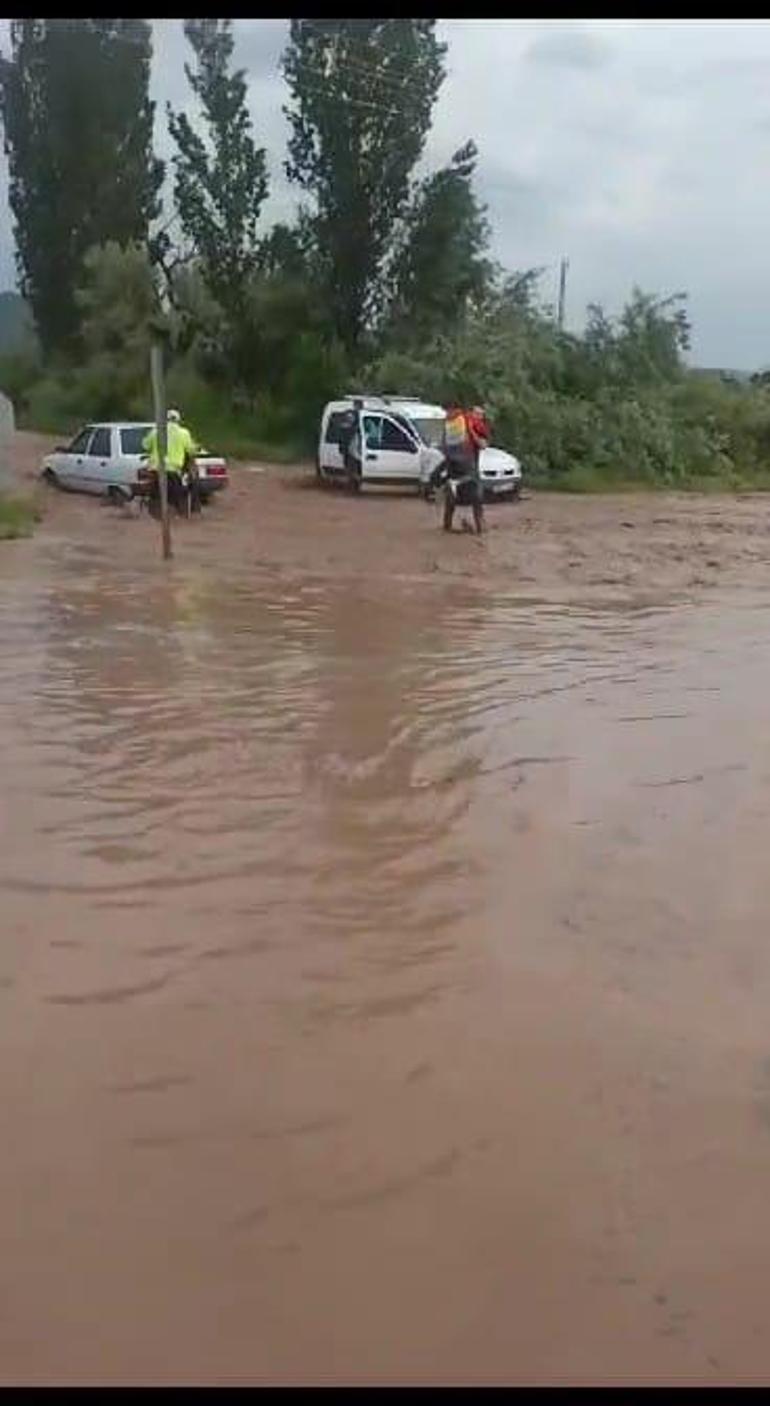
466	433
180	458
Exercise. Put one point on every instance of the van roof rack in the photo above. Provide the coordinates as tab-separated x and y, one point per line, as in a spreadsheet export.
379	395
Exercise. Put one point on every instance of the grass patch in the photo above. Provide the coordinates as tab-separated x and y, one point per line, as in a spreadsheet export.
583	479
246	449
18	515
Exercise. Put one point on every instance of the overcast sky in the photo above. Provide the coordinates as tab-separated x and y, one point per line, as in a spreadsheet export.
637	148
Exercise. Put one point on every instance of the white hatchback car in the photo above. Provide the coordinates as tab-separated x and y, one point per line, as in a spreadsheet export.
402	440
109	459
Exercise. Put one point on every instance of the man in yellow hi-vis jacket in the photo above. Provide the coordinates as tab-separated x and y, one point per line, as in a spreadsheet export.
180	457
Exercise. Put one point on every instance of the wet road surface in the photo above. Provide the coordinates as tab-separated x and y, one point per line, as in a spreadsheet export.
384	981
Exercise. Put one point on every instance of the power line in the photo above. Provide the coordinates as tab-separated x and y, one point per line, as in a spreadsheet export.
370	71
391	87
345	100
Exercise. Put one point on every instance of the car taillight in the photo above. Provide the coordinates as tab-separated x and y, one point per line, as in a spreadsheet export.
216	470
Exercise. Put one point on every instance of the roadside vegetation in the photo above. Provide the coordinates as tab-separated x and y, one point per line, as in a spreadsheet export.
18	515
384	281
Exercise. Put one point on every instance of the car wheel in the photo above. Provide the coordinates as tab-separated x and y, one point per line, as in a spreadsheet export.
50	478
516	492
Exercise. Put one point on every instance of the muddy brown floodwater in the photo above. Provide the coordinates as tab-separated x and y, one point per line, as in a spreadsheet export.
384	973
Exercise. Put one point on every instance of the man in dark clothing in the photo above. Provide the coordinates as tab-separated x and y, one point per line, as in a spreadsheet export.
350	446
463	440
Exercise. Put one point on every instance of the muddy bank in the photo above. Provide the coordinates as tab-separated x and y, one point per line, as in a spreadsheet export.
383	958
560	546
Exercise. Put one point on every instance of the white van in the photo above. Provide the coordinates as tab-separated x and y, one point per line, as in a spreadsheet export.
402	440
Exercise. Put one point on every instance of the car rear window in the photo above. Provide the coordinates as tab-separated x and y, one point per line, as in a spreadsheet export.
131	440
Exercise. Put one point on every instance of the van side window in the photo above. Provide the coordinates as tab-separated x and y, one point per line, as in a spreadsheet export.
334	426
373	431
393	437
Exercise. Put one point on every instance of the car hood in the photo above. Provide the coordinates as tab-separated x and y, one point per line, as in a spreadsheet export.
491	458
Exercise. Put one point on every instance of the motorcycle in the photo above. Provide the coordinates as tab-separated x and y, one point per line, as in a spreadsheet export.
185	495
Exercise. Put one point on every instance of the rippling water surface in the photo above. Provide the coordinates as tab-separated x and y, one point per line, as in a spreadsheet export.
383	982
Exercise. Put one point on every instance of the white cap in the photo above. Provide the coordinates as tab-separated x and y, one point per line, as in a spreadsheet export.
174	415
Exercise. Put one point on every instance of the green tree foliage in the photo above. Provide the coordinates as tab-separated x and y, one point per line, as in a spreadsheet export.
441	269
118	299
219	186
77	122
382	279
362	93
615	405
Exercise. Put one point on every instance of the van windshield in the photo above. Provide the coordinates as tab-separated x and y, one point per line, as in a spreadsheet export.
430	431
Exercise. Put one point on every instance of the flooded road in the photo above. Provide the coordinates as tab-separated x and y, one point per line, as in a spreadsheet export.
384	980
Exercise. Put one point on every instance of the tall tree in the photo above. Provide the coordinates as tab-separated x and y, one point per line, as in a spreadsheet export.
77	119
441	267
362	95
219	188
117	299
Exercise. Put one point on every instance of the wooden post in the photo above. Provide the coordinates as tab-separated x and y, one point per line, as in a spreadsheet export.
159	402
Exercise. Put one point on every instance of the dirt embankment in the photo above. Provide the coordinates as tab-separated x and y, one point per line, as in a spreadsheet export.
644	545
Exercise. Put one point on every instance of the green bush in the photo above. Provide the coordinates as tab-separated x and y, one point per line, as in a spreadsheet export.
613	407
18	515
19	372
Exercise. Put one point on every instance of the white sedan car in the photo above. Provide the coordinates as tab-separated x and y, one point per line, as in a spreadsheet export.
500	472
109	459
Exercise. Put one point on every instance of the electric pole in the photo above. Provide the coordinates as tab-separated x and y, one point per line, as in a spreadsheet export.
562	291
159	404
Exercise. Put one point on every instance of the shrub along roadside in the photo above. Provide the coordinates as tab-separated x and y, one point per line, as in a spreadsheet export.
18	515
609	409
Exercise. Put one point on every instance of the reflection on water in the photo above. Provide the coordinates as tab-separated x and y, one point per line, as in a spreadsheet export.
388	912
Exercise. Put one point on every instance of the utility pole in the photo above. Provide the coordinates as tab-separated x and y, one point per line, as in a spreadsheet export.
562	291
159	403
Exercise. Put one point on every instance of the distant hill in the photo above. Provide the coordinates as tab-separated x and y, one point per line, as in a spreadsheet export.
16	327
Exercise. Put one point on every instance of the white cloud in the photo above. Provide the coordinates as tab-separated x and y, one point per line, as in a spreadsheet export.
570	48
638	148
